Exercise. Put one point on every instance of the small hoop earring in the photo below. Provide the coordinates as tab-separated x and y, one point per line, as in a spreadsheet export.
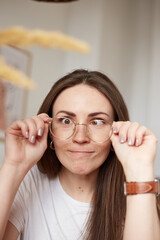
51	145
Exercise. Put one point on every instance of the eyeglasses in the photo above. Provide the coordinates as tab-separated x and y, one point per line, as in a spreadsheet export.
98	130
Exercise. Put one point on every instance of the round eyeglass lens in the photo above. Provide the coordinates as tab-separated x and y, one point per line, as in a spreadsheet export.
62	128
99	132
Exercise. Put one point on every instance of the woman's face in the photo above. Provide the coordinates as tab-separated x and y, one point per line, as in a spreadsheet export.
82	103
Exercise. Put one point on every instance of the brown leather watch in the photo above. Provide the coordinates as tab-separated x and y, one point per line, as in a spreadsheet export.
132	188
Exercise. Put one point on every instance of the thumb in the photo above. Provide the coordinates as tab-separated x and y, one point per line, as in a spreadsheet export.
114	140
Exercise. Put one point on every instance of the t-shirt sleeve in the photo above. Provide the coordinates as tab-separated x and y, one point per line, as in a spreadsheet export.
18	210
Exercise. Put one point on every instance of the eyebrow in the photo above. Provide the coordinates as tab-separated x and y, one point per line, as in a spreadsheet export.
89	115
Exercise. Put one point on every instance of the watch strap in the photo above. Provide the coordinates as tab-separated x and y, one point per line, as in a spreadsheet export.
132	188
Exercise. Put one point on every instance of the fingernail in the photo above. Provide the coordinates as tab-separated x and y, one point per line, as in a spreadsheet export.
115	130
40	131
48	119
137	142
129	141
122	139
27	134
33	139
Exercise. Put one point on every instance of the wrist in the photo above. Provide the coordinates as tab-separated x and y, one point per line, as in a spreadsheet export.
14	172
140	174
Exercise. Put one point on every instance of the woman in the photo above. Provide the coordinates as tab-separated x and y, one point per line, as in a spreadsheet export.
83	160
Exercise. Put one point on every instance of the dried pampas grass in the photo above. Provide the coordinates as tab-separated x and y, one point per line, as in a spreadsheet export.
23	37
15	77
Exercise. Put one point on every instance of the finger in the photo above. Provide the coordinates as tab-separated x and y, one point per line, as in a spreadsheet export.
140	133
123	131
45	117
39	124
36	126
131	135
115	127
18	128
32	129
121	128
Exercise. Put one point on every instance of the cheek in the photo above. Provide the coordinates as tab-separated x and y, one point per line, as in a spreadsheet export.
60	147
103	152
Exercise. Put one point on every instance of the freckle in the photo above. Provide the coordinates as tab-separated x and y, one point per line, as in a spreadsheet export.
79	187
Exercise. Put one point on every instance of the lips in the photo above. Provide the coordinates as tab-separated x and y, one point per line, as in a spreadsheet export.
80	152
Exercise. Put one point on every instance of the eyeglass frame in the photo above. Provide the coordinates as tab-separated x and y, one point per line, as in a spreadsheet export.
74	130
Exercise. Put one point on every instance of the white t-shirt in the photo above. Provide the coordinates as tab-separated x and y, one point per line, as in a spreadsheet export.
42	210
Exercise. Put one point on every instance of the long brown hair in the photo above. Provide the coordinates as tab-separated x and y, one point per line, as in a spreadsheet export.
109	207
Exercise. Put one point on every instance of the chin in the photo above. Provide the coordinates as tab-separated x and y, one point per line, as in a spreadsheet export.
82	171
79	171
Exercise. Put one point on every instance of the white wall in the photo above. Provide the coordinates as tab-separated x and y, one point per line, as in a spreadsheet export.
125	38
153	96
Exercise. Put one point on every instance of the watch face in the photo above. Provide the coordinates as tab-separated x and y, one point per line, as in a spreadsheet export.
158	180
125	191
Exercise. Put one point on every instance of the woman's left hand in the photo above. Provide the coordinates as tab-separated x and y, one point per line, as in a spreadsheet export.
135	147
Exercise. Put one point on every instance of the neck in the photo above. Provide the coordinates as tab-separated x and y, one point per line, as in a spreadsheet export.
79	187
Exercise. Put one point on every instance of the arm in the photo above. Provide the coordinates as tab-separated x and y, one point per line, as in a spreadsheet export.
10	182
11	233
142	219
135	147
21	153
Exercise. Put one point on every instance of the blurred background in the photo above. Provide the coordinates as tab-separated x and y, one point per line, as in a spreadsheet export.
125	39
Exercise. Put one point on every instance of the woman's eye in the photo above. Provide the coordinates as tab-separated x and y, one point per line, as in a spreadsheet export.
66	121
97	122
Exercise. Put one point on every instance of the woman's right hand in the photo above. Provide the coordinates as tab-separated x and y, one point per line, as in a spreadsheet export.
26	141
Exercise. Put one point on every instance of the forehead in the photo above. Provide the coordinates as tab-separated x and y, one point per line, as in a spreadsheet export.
82	98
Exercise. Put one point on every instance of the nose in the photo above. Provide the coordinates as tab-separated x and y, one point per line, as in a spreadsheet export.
81	134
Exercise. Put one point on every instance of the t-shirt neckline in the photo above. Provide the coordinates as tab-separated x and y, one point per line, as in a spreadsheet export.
69	198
